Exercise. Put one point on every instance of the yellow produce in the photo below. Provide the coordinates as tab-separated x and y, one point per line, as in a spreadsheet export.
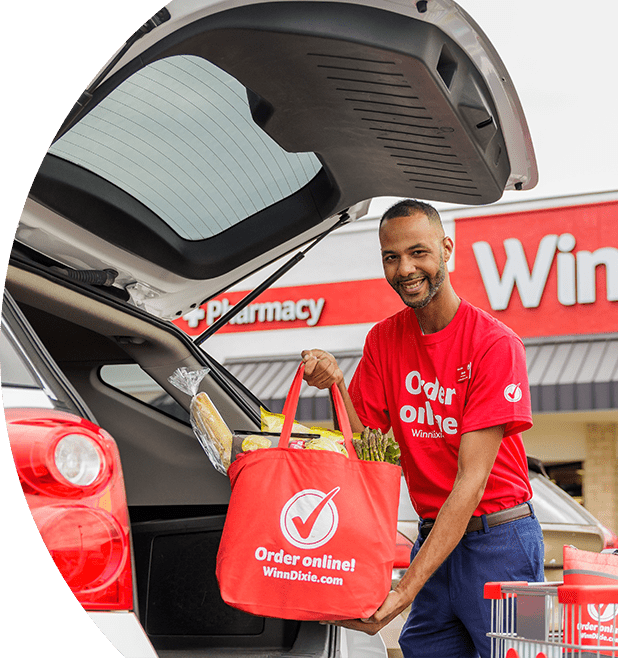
274	423
326	443
255	442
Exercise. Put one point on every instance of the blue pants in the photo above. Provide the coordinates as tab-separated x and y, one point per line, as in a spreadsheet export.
450	617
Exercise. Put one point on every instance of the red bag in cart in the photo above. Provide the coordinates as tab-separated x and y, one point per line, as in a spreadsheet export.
309	534
597	624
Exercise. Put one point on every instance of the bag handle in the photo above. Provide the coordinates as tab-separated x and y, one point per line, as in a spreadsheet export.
291	403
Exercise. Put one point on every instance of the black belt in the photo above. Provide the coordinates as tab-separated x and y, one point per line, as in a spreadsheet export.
493	519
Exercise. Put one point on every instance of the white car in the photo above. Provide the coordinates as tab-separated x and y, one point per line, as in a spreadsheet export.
224	135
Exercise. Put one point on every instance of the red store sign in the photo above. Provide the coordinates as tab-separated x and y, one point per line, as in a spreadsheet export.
324	304
546	272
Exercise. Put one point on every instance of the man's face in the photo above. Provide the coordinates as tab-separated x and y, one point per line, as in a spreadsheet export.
414	253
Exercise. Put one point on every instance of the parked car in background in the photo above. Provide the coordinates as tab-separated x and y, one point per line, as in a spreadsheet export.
563	520
223	136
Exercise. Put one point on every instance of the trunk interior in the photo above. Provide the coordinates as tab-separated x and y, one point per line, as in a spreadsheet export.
177	500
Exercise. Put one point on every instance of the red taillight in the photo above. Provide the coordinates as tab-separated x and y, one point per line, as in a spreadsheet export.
70	472
403	548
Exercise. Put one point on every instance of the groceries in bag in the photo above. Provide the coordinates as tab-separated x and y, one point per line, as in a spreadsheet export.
252	440
222	446
373	445
255	442
272	422
209	427
370	444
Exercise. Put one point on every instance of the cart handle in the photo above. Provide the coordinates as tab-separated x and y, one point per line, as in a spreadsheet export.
584	594
494	590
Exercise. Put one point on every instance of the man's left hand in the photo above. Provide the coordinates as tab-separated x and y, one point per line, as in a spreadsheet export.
393	605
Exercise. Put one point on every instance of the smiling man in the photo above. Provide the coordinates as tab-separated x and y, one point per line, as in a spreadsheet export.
451	382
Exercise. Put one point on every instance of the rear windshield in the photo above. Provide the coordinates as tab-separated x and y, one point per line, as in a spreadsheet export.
179	137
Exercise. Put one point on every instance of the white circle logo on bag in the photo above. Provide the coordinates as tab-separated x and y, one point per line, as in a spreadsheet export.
310	518
603	613
513	393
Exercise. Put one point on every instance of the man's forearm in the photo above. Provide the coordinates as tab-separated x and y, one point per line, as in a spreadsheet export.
449	528
477	453
355	422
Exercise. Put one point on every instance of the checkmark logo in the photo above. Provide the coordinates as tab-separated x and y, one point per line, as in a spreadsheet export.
310	518
304	528
603	612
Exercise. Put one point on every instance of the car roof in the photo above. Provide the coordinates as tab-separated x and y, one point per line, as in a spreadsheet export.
235	132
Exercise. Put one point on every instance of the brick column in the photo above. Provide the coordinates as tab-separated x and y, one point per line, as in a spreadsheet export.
600	482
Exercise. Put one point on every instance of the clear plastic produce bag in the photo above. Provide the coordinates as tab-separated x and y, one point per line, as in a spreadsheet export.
208	425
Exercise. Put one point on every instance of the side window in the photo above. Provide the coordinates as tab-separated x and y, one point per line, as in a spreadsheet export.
15	372
30	377
133	381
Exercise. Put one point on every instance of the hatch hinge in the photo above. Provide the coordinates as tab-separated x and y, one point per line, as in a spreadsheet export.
162	16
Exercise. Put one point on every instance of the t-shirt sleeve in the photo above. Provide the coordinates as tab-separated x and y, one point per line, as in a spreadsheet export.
499	392
367	389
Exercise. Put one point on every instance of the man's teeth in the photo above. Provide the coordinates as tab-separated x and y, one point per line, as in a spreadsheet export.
409	286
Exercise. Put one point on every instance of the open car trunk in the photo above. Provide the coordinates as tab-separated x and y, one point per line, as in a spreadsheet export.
177	500
237	132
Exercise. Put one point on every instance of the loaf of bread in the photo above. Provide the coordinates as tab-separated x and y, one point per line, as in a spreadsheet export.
211	429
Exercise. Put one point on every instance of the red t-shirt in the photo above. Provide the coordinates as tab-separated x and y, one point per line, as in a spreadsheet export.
433	388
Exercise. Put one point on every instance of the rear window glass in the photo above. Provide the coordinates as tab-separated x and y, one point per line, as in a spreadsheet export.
178	136
132	380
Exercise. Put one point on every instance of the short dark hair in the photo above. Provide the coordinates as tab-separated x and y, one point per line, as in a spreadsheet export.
409	207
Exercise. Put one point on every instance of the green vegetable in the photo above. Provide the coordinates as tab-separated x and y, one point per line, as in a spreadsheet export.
372	445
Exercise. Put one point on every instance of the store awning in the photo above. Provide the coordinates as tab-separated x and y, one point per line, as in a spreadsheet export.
577	373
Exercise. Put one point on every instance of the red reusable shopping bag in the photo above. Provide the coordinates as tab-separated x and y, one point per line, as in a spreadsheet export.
309	534
596	624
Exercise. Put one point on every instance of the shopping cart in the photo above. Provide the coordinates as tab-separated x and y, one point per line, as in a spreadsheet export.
552	620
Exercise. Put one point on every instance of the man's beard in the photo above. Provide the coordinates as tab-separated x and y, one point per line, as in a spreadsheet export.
434	286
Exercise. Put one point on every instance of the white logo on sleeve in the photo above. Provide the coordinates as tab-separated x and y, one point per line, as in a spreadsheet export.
513	393
310	518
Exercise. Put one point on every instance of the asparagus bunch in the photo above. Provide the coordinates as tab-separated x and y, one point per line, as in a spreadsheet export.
372	445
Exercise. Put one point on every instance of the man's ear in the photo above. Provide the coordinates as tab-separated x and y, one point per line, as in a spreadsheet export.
448	247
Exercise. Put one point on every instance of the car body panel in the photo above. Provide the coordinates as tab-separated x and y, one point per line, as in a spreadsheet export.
25	398
125	632
556	536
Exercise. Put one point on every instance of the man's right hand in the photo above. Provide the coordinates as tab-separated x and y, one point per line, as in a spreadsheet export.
321	369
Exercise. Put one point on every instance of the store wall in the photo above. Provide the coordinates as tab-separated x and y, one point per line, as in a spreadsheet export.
558	437
600	485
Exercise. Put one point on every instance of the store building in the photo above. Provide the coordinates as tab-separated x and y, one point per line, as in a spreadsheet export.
546	268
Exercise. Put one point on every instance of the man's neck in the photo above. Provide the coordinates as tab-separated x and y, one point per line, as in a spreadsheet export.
438	313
